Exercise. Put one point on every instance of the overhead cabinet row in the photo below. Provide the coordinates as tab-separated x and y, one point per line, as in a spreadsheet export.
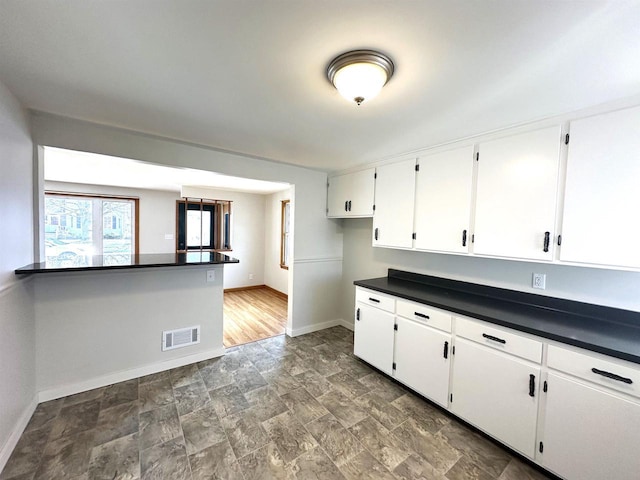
545	195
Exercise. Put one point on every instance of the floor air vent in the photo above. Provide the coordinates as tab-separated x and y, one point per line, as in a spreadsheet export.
182	337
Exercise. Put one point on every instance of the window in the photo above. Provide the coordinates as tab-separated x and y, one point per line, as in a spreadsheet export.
203	225
79	226
285	239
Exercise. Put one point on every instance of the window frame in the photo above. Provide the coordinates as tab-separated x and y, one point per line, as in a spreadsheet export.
216	227
285	232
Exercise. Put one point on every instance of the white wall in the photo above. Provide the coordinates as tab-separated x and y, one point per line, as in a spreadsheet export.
247	234
317	240
274	275
17	324
603	287
157	212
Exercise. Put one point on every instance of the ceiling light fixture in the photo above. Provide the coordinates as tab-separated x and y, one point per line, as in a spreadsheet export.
359	75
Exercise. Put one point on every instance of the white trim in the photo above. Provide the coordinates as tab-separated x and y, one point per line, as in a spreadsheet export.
71	389
314	328
12	441
317	260
345	324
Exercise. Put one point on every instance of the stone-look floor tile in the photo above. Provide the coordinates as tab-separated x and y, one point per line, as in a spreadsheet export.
339	444
289	435
248	378
315	465
186	375
348	385
314	383
343	408
26	456
433	448
303	405
327	351
116	422
119	393
26	476
364	467
386	448
483	452
228	400
265	403
264	464
353	366
75	418
420	410
202	429
228	363
381	410
158	426
279	346
417	468
191	397
383	386
95	394
216	462
214	378
280	381
517	470
116	460
325	366
44	414
154	377
293	365
67	457
266	363
465	469
167	460
245	432
157	394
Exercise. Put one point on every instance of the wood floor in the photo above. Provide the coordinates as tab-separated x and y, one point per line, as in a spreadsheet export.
251	315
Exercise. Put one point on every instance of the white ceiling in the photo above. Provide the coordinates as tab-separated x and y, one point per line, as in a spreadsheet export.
249	75
89	168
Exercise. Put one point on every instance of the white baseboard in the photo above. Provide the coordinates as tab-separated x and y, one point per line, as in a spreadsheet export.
318	326
12	441
345	324
71	389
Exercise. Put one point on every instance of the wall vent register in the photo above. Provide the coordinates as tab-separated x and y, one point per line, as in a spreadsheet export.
182	337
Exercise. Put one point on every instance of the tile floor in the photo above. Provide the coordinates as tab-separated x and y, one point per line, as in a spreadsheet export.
294	408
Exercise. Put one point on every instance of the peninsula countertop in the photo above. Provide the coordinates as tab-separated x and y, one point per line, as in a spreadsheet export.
606	330
120	262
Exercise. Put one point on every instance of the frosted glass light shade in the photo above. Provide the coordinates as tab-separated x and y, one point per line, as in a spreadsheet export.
360	75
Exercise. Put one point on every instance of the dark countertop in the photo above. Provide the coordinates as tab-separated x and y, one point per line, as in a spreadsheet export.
606	330
120	262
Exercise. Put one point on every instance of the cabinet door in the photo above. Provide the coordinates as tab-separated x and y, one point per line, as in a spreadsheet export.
516	195
395	196
590	434
373	337
599	223
422	357
337	192
491	390
443	201
361	193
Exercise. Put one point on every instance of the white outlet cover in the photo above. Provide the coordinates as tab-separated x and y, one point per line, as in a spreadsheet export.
539	281
211	275
168	236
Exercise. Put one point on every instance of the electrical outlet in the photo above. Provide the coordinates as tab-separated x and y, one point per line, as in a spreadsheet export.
539	281
251	276
211	275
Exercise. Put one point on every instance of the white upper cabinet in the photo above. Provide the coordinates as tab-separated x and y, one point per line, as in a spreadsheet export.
443	201
395	196
602	197
351	195
516	195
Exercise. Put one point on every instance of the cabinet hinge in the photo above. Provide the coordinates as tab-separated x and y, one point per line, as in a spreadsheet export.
417	167
541	447
375	175
393	366
566	139
473	238
451	398
413	236
453	350
395	327
544	387
327	210
559	240
374	207
477	156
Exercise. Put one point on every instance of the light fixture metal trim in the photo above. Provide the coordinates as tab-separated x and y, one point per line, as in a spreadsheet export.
360	56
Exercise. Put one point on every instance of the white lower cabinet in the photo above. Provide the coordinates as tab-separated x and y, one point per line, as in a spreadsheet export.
590	433
497	393
422	359
373	337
